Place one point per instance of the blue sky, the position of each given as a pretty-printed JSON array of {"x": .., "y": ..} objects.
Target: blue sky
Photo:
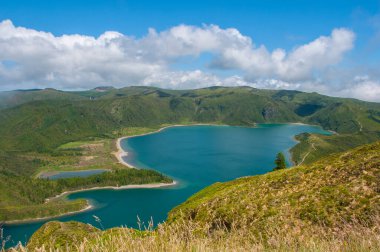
[
  {"x": 274, "y": 23},
  {"x": 287, "y": 25}
]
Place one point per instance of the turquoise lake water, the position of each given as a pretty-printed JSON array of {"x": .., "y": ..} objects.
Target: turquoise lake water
[{"x": 195, "y": 156}]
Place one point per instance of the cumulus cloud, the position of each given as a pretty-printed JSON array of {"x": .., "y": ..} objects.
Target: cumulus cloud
[
  {"x": 183, "y": 80},
  {"x": 69, "y": 60},
  {"x": 31, "y": 58},
  {"x": 296, "y": 65},
  {"x": 363, "y": 88}
]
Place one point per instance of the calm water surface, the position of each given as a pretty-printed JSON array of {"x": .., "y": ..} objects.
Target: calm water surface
[{"x": 196, "y": 156}]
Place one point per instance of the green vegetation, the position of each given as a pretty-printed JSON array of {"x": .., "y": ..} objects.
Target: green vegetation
[
  {"x": 280, "y": 162},
  {"x": 68, "y": 232},
  {"x": 331, "y": 192},
  {"x": 24, "y": 197},
  {"x": 80, "y": 155},
  {"x": 314, "y": 146},
  {"x": 330, "y": 205},
  {"x": 42, "y": 120},
  {"x": 134, "y": 131},
  {"x": 50, "y": 130}
]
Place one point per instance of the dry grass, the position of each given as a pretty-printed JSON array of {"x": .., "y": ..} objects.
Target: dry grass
[
  {"x": 330, "y": 205},
  {"x": 186, "y": 237}
]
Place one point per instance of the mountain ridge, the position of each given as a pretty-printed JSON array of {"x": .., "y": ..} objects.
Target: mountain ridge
[
  {"x": 33, "y": 132},
  {"x": 71, "y": 115}
]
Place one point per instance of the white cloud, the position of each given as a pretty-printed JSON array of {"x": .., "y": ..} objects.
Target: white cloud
[
  {"x": 69, "y": 61},
  {"x": 296, "y": 65},
  {"x": 30, "y": 58},
  {"x": 362, "y": 88},
  {"x": 183, "y": 80}
]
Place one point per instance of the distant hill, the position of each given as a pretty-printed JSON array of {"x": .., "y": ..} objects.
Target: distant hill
[
  {"x": 330, "y": 205},
  {"x": 41, "y": 120},
  {"x": 14, "y": 98}
]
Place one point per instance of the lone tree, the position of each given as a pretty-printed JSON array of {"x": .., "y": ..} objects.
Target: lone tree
[{"x": 280, "y": 162}]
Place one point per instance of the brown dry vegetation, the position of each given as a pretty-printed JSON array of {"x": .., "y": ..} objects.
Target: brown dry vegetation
[
  {"x": 330, "y": 205},
  {"x": 73, "y": 236}
]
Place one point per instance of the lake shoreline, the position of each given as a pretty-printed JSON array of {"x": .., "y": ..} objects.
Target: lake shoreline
[
  {"x": 246, "y": 139},
  {"x": 294, "y": 163},
  {"x": 124, "y": 187},
  {"x": 120, "y": 153},
  {"x": 89, "y": 205}
]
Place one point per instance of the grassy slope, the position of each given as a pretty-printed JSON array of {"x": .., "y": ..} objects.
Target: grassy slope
[
  {"x": 353, "y": 120},
  {"x": 329, "y": 192},
  {"x": 37, "y": 123},
  {"x": 330, "y": 205},
  {"x": 313, "y": 146}
]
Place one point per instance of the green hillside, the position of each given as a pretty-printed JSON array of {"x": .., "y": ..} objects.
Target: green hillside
[
  {"x": 78, "y": 115},
  {"x": 330, "y": 205},
  {"x": 331, "y": 192},
  {"x": 35, "y": 124},
  {"x": 13, "y": 98}
]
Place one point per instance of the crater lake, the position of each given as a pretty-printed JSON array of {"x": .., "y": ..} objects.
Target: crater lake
[{"x": 194, "y": 156}]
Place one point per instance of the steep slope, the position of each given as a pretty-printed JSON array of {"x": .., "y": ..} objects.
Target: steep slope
[
  {"x": 332, "y": 192},
  {"x": 330, "y": 205}
]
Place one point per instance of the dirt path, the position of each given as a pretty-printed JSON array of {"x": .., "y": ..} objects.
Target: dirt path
[
  {"x": 307, "y": 154},
  {"x": 361, "y": 126}
]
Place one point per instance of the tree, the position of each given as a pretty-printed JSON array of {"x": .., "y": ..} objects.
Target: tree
[{"x": 280, "y": 162}]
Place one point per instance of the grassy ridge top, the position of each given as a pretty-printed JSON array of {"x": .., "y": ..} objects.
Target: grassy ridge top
[{"x": 330, "y": 205}]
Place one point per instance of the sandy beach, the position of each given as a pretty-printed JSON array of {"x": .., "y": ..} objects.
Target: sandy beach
[{"x": 155, "y": 185}]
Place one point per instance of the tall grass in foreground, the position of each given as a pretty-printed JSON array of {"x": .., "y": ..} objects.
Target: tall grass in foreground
[{"x": 186, "y": 237}]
